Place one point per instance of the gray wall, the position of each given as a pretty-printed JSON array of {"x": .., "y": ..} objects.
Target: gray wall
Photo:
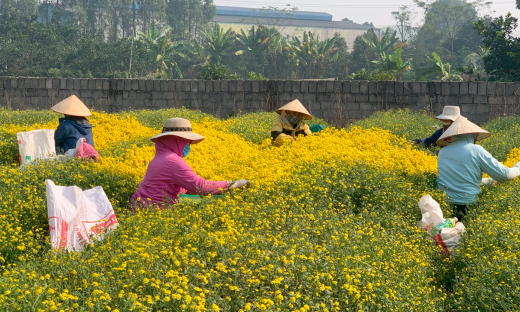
[{"x": 337, "y": 101}]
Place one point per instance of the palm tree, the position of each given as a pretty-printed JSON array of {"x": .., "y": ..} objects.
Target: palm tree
[
  {"x": 309, "y": 52},
  {"x": 217, "y": 43}
]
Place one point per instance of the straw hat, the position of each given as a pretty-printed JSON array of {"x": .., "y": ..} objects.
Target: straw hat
[
  {"x": 449, "y": 113},
  {"x": 179, "y": 127},
  {"x": 72, "y": 106},
  {"x": 295, "y": 106},
  {"x": 462, "y": 126}
]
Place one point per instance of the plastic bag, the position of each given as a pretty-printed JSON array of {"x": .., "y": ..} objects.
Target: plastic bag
[
  {"x": 77, "y": 217},
  {"x": 446, "y": 233},
  {"x": 431, "y": 213},
  {"x": 36, "y": 144},
  {"x": 316, "y": 128},
  {"x": 448, "y": 239}
]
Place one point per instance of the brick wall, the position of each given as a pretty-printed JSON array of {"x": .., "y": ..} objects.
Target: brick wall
[{"x": 336, "y": 101}]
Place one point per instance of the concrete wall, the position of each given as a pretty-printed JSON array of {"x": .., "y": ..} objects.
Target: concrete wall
[{"x": 336, "y": 101}]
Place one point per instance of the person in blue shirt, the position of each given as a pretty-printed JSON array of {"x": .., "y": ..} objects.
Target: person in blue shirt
[
  {"x": 461, "y": 163},
  {"x": 73, "y": 126},
  {"x": 448, "y": 116}
]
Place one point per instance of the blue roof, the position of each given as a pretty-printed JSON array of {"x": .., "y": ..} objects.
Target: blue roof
[{"x": 248, "y": 12}]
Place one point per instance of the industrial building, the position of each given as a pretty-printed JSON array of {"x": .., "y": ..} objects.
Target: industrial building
[{"x": 289, "y": 23}]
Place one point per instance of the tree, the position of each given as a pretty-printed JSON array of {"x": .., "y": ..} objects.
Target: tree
[
  {"x": 403, "y": 18},
  {"x": 188, "y": 17},
  {"x": 349, "y": 20},
  {"x": 217, "y": 43},
  {"x": 310, "y": 53},
  {"x": 18, "y": 7},
  {"x": 502, "y": 60},
  {"x": 448, "y": 18},
  {"x": 369, "y": 24}
]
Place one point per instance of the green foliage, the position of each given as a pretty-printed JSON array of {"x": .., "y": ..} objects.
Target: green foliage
[
  {"x": 255, "y": 76},
  {"x": 309, "y": 53},
  {"x": 217, "y": 42},
  {"x": 502, "y": 61},
  {"x": 155, "y": 118},
  {"x": 439, "y": 69},
  {"x": 503, "y": 136},
  {"x": 393, "y": 63},
  {"x": 216, "y": 71},
  {"x": 406, "y": 123}
]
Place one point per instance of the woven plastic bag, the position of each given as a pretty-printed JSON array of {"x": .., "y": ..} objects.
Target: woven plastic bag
[
  {"x": 77, "y": 217},
  {"x": 36, "y": 144},
  {"x": 445, "y": 233}
]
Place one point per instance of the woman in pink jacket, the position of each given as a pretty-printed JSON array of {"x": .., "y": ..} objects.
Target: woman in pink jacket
[{"x": 168, "y": 175}]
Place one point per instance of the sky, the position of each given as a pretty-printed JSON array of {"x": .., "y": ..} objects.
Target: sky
[{"x": 378, "y": 12}]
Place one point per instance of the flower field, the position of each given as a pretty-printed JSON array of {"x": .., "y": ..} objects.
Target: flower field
[{"x": 328, "y": 224}]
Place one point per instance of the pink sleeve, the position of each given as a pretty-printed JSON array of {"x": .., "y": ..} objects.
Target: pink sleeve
[{"x": 187, "y": 179}]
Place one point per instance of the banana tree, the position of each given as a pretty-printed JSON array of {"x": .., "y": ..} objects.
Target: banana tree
[
  {"x": 163, "y": 51},
  {"x": 386, "y": 45},
  {"x": 394, "y": 63},
  {"x": 251, "y": 42},
  {"x": 310, "y": 52},
  {"x": 439, "y": 69},
  {"x": 217, "y": 43}
]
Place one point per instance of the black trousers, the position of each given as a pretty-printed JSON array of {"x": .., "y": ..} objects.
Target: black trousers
[{"x": 460, "y": 211}]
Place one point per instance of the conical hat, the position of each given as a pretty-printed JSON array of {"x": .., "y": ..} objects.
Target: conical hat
[
  {"x": 462, "y": 126},
  {"x": 295, "y": 106},
  {"x": 72, "y": 106}
]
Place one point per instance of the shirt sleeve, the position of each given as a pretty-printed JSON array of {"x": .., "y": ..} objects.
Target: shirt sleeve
[
  {"x": 306, "y": 129},
  {"x": 494, "y": 168},
  {"x": 276, "y": 132},
  {"x": 433, "y": 138},
  {"x": 193, "y": 184}
]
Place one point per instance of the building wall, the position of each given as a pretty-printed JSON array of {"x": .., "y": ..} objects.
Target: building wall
[
  {"x": 324, "y": 33},
  {"x": 337, "y": 101}
]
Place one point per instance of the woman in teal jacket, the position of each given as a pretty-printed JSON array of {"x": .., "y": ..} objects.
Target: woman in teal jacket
[{"x": 461, "y": 164}]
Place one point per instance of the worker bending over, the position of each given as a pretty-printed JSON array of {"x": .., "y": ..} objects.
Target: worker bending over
[
  {"x": 73, "y": 126},
  {"x": 168, "y": 175},
  {"x": 461, "y": 163},
  {"x": 448, "y": 116},
  {"x": 290, "y": 124}
]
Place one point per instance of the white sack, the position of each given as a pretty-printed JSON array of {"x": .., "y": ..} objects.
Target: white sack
[
  {"x": 77, "y": 217},
  {"x": 36, "y": 144},
  {"x": 431, "y": 213}
]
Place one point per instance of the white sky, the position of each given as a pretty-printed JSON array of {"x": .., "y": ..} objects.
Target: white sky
[{"x": 376, "y": 11}]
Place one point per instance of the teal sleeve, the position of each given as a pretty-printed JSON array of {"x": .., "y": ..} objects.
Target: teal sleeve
[{"x": 492, "y": 167}]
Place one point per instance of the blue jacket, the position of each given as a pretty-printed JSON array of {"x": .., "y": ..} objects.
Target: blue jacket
[
  {"x": 70, "y": 130},
  {"x": 432, "y": 139},
  {"x": 460, "y": 166}
]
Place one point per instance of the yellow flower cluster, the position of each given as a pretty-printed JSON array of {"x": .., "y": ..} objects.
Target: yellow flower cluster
[{"x": 328, "y": 224}]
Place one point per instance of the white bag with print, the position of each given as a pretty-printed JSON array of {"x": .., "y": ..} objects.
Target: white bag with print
[{"x": 78, "y": 217}]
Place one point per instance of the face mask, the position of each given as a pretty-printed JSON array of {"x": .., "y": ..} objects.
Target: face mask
[
  {"x": 293, "y": 119},
  {"x": 446, "y": 123},
  {"x": 186, "y": 151}
]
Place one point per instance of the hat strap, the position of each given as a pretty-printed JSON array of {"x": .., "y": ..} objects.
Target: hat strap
[{"x": 175, "y": 129}]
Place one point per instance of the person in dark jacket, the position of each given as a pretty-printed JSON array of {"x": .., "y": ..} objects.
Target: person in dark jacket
[
  {"x": 73, "y": 126},
  {"x": 448, "y": 116}
]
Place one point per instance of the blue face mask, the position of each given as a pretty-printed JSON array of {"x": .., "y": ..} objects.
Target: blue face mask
[{"x": 186, "y": 151}]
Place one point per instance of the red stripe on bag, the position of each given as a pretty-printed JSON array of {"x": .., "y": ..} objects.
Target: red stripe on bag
[{"x": 437, "y": 240}]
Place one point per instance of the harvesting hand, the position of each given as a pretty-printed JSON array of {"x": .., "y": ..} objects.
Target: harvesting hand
[{"x": 239, "y": 184}]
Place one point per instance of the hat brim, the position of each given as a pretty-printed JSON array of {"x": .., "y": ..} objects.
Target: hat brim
[
  {"x": 73, "y": 114},
  {"x": 193, "y": 137},
  {"x": 447, "y": 141},
  {"x": 447, "y": 117},
  {"x": 305, "y": 116}
]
